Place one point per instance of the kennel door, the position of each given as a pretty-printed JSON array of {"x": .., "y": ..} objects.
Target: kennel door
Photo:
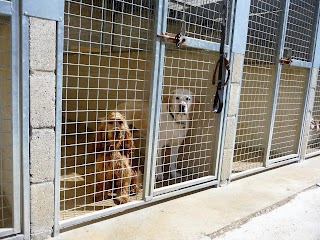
[
  {"x": 188, "y": 68},
  {"x": 292, "y": 79},
  {"x": 9, "y": 125}
]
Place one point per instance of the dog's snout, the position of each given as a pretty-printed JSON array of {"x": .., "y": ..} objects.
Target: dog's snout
[
  {"x": 117, "y": 133},
  {"x": 182, "y": 108}
]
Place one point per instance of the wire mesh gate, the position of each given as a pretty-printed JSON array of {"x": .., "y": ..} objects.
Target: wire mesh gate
[
  {"x": 9, "y": 121},
  {"x": 277, "y": 69},
  {"x": 122, "y": 81}
]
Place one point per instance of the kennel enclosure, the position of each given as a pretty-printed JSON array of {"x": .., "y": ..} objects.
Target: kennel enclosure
[
  {"x": 278, "y": 67},
  {"x": 66, "y": 64},
  {"x": 118, "y": 53}
]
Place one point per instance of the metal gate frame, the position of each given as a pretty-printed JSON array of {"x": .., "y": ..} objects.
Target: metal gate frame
[
  {"x": 12, "y": 9},
  {"x": 297, "y": 63},
  {"x": 150, "y": 194},
  {"x": 312, "y": 63},
  {"x": 155, "y": 103}
]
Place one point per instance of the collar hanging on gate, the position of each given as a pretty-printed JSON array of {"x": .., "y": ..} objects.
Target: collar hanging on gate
[{"x": 222, "y": 65}]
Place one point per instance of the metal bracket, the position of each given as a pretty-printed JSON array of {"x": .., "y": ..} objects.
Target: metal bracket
[
  {"x": 288, "y": 56},
  {"x": 178, "y": 39},
  {"x": 47, "y": 9},
  {"x": 5, "y": 7}
]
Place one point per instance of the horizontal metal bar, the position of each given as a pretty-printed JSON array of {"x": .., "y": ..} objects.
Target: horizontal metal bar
[
  {"x": 6, "y": 231},
  {"x": 99, "y": 214},
  {"x": 5, "y": 8},
  {"x": 183, "y": 185},
  {"x": 272, "y": 161},
  {"x": 247, "y": 172},
  {"x": 299, "y": 63},
  {"x": 203, "y": 44},
  {"x": 16, "y": 237},
  {"x": 260, "y": 169},
  {"x": 277, "y": 164},
  {"x": 310, "y": 155},
  {"x": 185, "y": 190},
  {"x": 117, "y": 209},
  {"x": 51, "y": 10}
]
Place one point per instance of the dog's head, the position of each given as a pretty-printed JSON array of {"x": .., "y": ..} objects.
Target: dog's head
[
  {"x": 180, "y": 103},
  {"x": 315, "y": 124},
  {"x": 115, "y": 126},
  {"x": 114, "y": 131}
]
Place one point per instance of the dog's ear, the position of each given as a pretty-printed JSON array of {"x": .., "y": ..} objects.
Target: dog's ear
[
  {"x": 167, "y": 101},
  {"x": 100, "y": 137},
  {"x": 128, "y": 143},
  {"x": 318, "y": 124}
]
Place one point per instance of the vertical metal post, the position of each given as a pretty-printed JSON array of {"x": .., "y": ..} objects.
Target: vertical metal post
[
  {"x": 239, "y": 12},
  {"x": 280, "y": 51},
  {"x": 315, "y": 60},
  {"x": 24, "y": 79},
  {"x": 155, "y": 99},
  {"x": 15, "y": 113},
  {"x": 59, "y": 70}
]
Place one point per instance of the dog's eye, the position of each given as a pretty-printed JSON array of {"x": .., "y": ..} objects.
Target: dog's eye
[
  {"x": 188, "y": 98},
  {"x": 178, "y": 98},
  {"x": 120, "y": 122}
]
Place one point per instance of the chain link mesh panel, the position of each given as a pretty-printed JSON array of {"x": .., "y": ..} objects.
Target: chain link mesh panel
[
  {"x": 257, "y": 83},
  {"x": 107, "y": 62},
  {"x": 6, "y": 170}
]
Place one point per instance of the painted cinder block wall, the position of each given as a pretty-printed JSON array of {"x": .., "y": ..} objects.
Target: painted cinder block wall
[{"x": 42, "y": 45}]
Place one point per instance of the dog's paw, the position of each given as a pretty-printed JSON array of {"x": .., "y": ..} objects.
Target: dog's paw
[
  {"x": 159, "y": 177},
  {"x": 175, "y": 174},
  {"x": 98, "y": 197},
  {"x": 135, "y": 189},
  {"x": 121, "y": 200},
  {"x": 102, "y": 196}
]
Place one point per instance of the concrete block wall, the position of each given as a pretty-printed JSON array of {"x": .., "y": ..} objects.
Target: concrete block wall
[
  {"x": 42, "y": 126},
  {"x": 231, "y": 120}
]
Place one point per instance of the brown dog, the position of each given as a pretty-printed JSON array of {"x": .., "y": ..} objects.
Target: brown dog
[{"x": 114, "y": 145}]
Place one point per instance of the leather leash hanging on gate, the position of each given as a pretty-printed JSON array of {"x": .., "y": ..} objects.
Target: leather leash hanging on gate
[{"x": 223, "y": 65}]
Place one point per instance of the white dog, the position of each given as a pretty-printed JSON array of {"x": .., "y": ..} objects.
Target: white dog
[
  {"x": 174, "y": 124},
  {"x": 314, "y": 133}
]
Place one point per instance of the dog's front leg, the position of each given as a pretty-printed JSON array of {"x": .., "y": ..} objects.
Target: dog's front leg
[{"x": 173, "y": 162}]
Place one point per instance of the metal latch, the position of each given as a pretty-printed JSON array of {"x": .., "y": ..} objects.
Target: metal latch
[
  {"x": 288, "y": 56},
  {"x": 178, "y": 39}
]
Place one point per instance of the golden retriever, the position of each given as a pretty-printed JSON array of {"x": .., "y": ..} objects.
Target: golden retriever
[{"x": 173, "y": 128}]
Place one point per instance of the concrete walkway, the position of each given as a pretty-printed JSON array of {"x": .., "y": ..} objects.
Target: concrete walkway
[
  {"x": 296, "y": 220},
  {"x": 206, "y": 214}
]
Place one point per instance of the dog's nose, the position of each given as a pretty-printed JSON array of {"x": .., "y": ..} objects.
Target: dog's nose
[{"x": 182, "y": 108}]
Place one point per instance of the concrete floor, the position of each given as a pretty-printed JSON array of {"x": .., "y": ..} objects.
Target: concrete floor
[
  {"x": 210, "y": 213},
  {"x": 298, "y": 219}
]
